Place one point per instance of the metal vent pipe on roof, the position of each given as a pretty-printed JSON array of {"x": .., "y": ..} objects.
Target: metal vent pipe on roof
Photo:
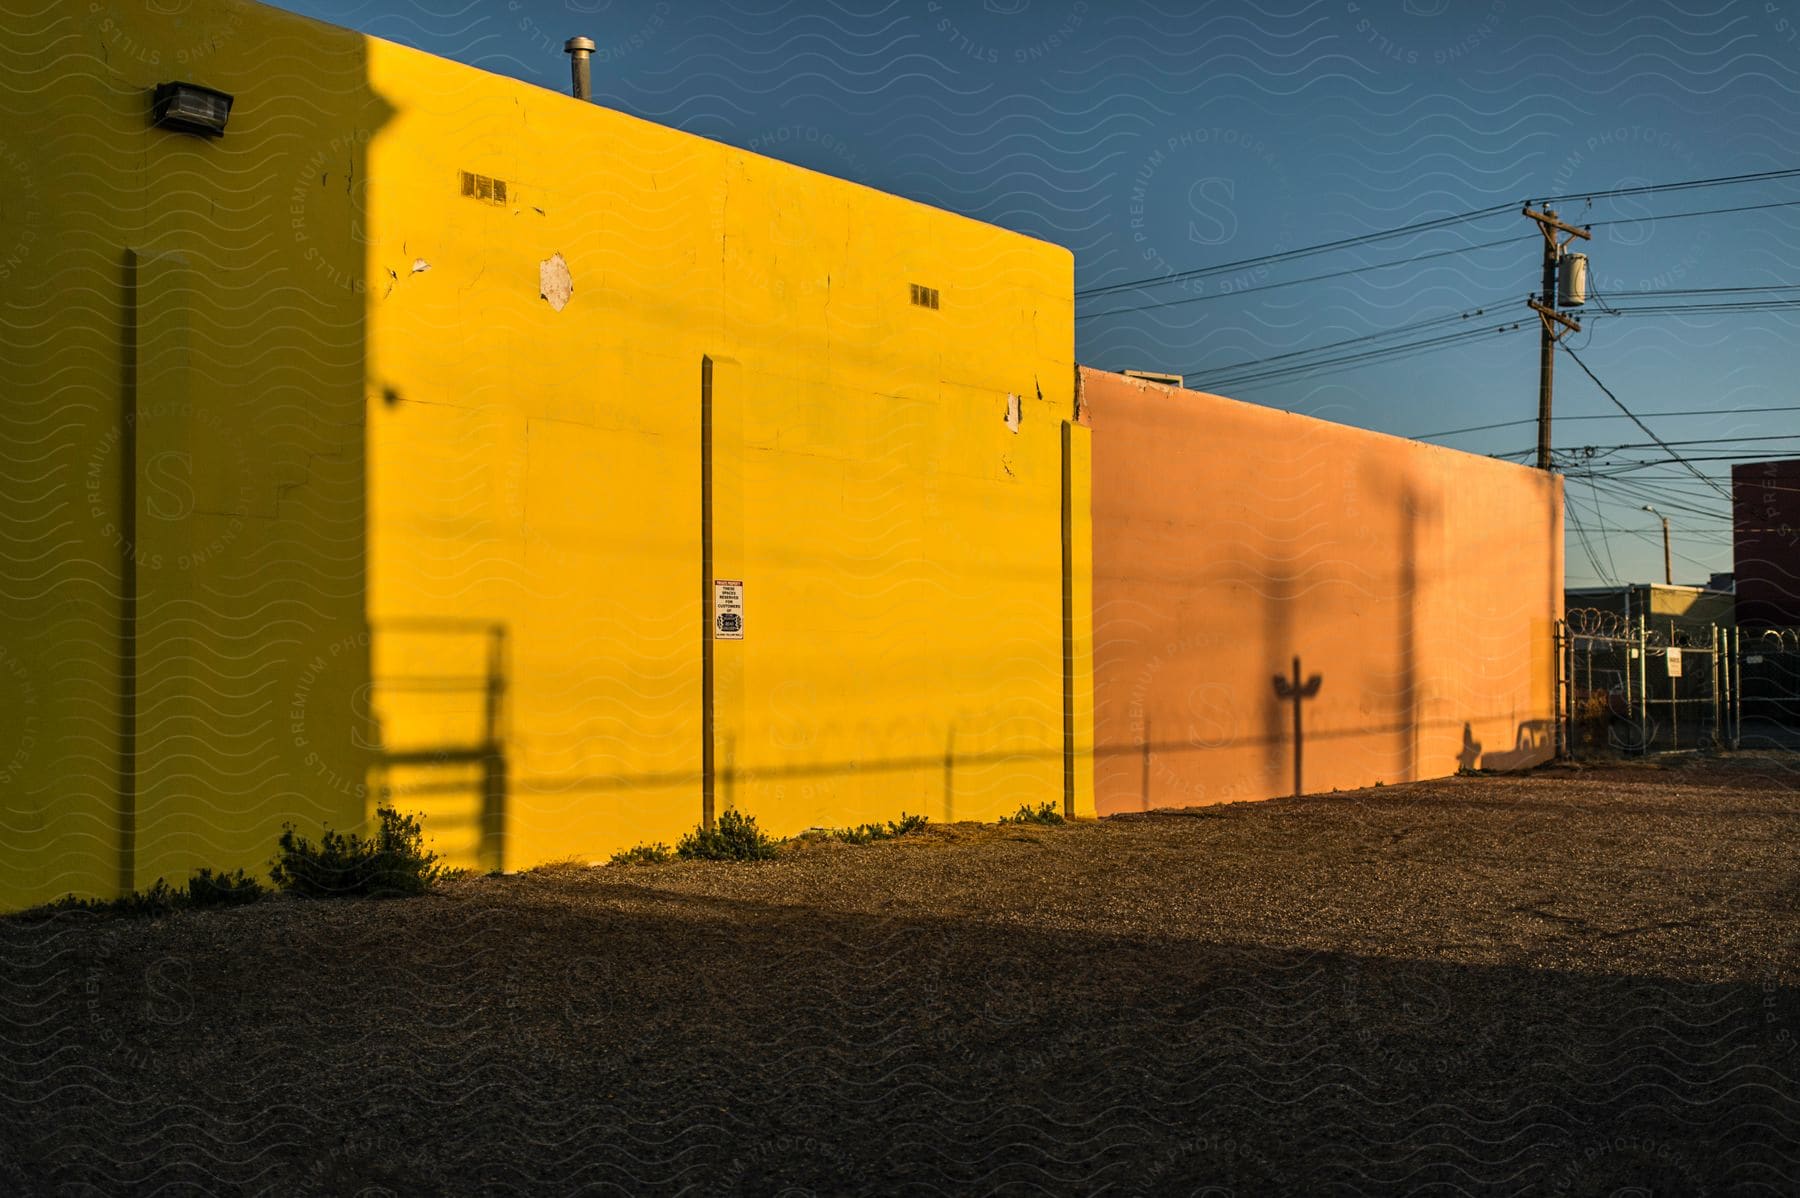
[{"x": 580, "y": 50}]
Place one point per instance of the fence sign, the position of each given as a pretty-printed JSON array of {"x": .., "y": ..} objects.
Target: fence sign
[
  {"x": 1674, "y": 663},
  {"x": 1753, "y": 659},
  {"x": 728, "y": 610}
]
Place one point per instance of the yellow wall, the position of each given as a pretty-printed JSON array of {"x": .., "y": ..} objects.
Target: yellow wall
[
  {"x": 376, "y": 471},
  {"x": 182, "y": 422}
]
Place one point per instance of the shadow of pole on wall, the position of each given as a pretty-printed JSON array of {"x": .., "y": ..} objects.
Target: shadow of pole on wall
[{"x": 1296, "y": 692}]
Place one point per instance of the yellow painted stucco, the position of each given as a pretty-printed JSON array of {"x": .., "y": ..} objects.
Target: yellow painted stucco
[{"x": 400, "y": 525}]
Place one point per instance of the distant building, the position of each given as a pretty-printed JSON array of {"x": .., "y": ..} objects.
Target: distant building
[
  {"x": 1766, "y": 523},
  {"x": 1663, "y": 607}
]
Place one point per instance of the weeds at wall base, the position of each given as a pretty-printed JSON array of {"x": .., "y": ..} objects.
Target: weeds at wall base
[
  {"x": 1045, "y": 813},
  {"x": 643, "y": 854},
  {"x": 204, "y": 889}
]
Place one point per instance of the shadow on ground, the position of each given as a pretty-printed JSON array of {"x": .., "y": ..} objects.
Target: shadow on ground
[{"x": 608, "y": 1032}]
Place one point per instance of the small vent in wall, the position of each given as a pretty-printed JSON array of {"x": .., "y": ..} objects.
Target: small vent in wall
[
  {"x": 481, "y": 187},
  {"x": 925, "y": 297}
]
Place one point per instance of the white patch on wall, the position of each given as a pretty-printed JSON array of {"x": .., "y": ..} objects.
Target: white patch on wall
[
  {"x": 1014, "y": 413},
  {"x": 420, "y": 266},
  {"x": 554, "y": 282}
]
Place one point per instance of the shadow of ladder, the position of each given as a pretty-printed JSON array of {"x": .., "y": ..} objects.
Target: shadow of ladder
[{"x": 484, "y": 753}]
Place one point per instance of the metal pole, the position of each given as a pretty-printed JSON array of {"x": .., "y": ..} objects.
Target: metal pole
[
  {"x": 1717, "y": 731},
  {"x": 1737, "y": 678},
  {"x": 708, "y": 712},
  {"x": 1565, "y": 692},
  {"x": 1643, "y": 660},
  {"x": 1626, "y": 670},
  {"x": 1674, "y": 703}
]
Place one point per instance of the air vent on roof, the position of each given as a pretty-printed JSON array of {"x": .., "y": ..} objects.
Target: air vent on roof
[
  {"x": 925, "y": 297},
  {"x": 481, "y": 187}
]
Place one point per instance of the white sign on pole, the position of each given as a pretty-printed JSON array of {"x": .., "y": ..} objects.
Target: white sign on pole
[
  {"x": 728, "y": 609},
  {"x": 1674, "y": 663}
]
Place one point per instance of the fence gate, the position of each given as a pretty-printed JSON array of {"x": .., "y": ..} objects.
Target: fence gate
[
  {"x": 1644, "y": 686},
  {"x": 1770, "y": 687}
]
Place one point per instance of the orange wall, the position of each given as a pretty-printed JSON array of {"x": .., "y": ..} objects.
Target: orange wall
[{"x": 1419, "y": 583}]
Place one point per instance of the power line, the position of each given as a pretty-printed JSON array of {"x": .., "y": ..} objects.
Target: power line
[
  {"x": 1336, "y": 274},
  {"x": 1713, "y": 290},
  {"x": 1363, "y": 358},
  {"x": 1436, "y": 254},
  {"x": 1341, "y": 243},
  {"x": 1423, "y": 226},
  {"x": 1605, "y": 541},
  {"x": 1688, "y": 185},
  {"x": 1638, "y": 220},
  {"x": 1606, "y": 391},
  {"x": 1587, "y": 548},
  {"x": 1702, "y": 307},
  {"x": 1686, "y": 441},
  {"x": 1482, "y": 428},
  {"x": 1396, "y": 331}
]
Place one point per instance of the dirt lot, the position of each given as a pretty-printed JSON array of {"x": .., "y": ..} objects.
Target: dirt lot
[{"x": 1575, "y": 982}]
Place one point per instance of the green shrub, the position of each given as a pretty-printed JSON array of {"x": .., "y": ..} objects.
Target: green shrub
[
  {"x": 204, "y": 889},
  {"x": 392, "y": 863},
  {"x": 644, "y": 854},
  {"x": 1044, "y": 814},
  {"x": 909, "y": 824},
  {"x": 733, "y": 837},
  {"x": 159, "y": 898},
  {"x": 906, "y": 825},
  {"x": 207, "y": 889}
]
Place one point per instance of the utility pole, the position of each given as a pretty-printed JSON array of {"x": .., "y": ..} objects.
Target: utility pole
[
  {"x": 1557, "y": 237},
  {"x": 1668, "y": 568}
]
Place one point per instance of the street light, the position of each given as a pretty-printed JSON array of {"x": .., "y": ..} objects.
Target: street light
[{"x": 1668, "y": 573}]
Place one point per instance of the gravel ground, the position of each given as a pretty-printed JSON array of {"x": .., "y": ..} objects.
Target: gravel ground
[{"x": 1572, "y": 982}]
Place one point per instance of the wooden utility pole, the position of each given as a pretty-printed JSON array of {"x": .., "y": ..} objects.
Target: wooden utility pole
[{"x": 1557, "y": 237}]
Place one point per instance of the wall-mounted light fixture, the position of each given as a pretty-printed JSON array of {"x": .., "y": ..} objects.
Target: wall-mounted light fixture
[{"x": 190, "y": 108}]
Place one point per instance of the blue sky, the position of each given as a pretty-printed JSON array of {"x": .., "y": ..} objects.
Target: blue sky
[{"x": 1154, "y": 137}]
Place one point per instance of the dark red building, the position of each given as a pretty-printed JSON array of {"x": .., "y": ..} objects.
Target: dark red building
[{"x": 1766, "y": 521}]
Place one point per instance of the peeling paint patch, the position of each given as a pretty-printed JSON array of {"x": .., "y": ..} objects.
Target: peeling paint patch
[
  {"x": 420, "y": 266},
  {"x": 1015, "y": 414},
  {"x": 554, "y": 282}
]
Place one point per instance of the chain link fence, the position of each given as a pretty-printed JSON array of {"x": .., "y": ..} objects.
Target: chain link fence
[{"x": 1635, "y": 685}]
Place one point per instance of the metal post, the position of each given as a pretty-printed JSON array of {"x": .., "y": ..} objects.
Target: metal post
[
  {"x": 1724, "y": 663},
  {"x": 1713, "y": 677},
  {"x": 1643, "y": 660},
  {"x": 1737, "y": 678},
  {"x": 1565, "y": 692},
  {"x": 708, "y": 714},
  {"x": 1674, "y": 701},
  {"x": 1626, "y": 664}
]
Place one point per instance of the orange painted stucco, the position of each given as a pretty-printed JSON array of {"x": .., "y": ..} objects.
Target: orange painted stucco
[{"x": 1419, "y": 584}]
